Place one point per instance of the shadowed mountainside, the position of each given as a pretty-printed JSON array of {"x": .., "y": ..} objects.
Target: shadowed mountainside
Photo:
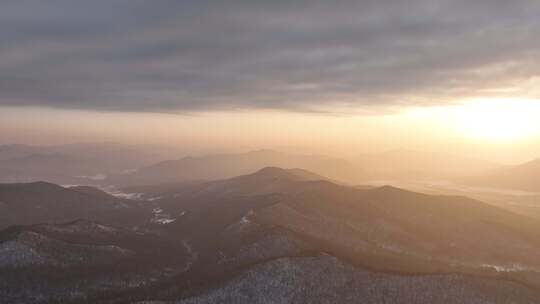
[
  {"x": 277, "y": 234},
  {"x": 67, "y": 262},
  {"x": 41, "y": 202},
  {"x": 383, "y": 229}
]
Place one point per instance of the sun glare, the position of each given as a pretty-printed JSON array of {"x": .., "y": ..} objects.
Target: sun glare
[
  {"x": 498, "y": 120},
  {"x": 488, "y": 119}
]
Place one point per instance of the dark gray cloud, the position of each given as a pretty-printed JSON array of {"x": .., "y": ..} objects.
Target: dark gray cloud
[{"x": 164, "y": 55}]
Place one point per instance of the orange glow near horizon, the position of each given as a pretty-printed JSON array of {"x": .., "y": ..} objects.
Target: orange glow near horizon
[
  {"x": 491, "y": 120},
  {"x": 495, "y": 129},
  {"x": 500, "y": 120}
]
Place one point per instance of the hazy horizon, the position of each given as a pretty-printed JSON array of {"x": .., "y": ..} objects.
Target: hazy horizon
[
  {"x": 307, "y": 76},
  {"x": 240, "y": 152},
  {"x": 228, "y": 132}
]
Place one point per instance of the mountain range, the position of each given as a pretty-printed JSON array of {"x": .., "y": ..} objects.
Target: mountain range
[
  {"x": 525, "y": 177},
  {"x": 42, "y": 202},
  {"x": 404, "y": 164},
  {"x": 278, "y": 235},
  {"x": 74, "y": 163},
  {"x": 222, "y": 166},
  {"x": 121, "y": 165}
]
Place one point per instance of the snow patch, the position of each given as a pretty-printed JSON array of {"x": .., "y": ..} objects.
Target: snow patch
[
  {"x": 96, "y": 177},
  {"x": 162, "y": 218},
  {"x": 509, "y": 268},
  {"x": 117, "y": 193},
  {"x": 14, "y": 253}
]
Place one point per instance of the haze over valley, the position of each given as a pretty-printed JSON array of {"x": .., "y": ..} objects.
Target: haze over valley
[
  {"x": 262, "y": 225},
  {"x": 167, "y": 152}
]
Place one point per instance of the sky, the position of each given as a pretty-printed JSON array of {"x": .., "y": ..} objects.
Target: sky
[{"x": 338, "y": 77}]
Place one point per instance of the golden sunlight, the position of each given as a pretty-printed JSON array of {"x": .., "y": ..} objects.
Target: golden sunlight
[{"x": 500, "y": 120}]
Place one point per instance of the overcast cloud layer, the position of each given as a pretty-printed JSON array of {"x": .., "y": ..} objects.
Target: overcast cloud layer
[{"x": 161, "y": 55}]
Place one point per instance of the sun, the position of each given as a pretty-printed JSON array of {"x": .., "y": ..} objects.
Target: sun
[
  {"x": 497, "y": 120},
  {"x": 493, "y": 120}
]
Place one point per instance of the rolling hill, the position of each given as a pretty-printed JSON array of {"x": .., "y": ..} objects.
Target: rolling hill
[
  {"x": 272, "y": 213},
  {"x": 74, "y": 163},
  {"x": 69, "y": 262},
  {"x": 280, "y": 233},
  {"x": 222, "y": 166},
  {"x": 42, "y": 202}
]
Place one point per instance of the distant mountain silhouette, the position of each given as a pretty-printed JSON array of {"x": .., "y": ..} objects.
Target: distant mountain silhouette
[
  {"x": 53, "y": 167},
  {"x": 524, "y": 177},
  {"x": 215, "y": 167},
  {"x": 73, "y": 163},
  {"x": 404, "y": 164},
  {"x": 16, "y": 150}
]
